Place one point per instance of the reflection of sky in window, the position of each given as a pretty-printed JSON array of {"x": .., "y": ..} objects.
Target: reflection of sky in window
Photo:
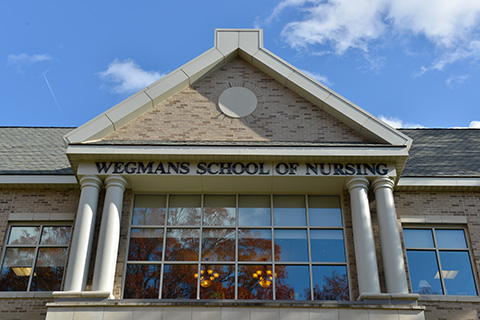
[
  {"x": 457, "y": 273},
  {"x": 149, "y": 210},
  {"x": 418, "y": 238},
  {"x": 450, "y": 239},
  {"x": 254, "y": 211},
  {"x": 219, "y": 210},
  {"x": 291, "y": 245},
  {"x": 423, "y": 268},
  {"x": 327, "y": 245},
  {"x": 292, "y": 277},
  {"x": 321, "y": 217},
  {"x": 254, "y": 216},
  {"x": 289, "y": 211},
  {"x": 24, "y": 235},
  {"x": 184, "y": 210}
]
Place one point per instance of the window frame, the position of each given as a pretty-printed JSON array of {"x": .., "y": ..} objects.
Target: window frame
[
  {"x": 236, "y": 263},
  {"x": 437, "y": 226},
  {"x": 37, "y": 246}
]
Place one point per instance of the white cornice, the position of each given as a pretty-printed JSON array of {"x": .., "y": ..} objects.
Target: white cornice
[{"x": 438, "y": 183}]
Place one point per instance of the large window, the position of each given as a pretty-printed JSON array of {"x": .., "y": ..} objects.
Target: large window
[
  {"x": 439, "y": 261},
  {"x": 282, "y": 247},
  {"x": 34, "y": 258}
]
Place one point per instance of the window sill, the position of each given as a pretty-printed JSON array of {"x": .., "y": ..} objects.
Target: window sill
[
  {"x": 24, "y": 294},
  {"x": 447, "y": 298}
]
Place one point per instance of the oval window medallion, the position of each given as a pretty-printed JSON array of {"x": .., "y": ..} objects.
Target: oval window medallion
[{"x": 237, "y": 102}]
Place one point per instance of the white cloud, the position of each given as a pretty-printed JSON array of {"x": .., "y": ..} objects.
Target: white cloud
[
  {"x": 452, "y": 26},
  {"x": 127, "y": 76},
  {"x": 456, "y": 81},
  {"x": 475, "y": 125},
  {"x": 398, "y": 123},
  {"x": 317, "y": 76},
  {"x": 22, "y": 60}
]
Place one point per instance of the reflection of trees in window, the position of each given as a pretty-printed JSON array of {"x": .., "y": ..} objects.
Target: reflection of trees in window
[
  {"x": 232, "y": 251},
  {"x": 335, "y": 287},
  {"x": 179, "y": 282},
  {"x": 23, "y": 264}
]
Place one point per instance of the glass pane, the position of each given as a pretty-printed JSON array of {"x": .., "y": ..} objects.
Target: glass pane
[
  {"x": 255, "y": 282},
  {"x": 56, "y": 235},
  {"x": 254, "y": 245},
  {"x": 324, "y": 211},
  {"x": 184, "y": 210},
  {"x": 182, "y": 245},
  {"x": 145, "y": 245},
  {"x": 289, "y": 211},
  {"x": 292, "y": 283},
  {"x": 254, "y": 211},
  {"x": 457, "y": 273},
  {"x": 218, "y": 245},
  {"x": 24, "y": 235},
  {"x": 450, "y": 238},
  {"x": 327, "y": 245},
  {"x": 217, "y": 282},
  {"x": 16, "y": 269},
  {"x": 423, "y": 269},
  {"x": 330, "y": 283},
  {"x": 418, "y": 238},
  {"x": 49, "y": 269},
  {"x": 149, "y": 210},
  {"x": 219, "y": 211},
  {"x": 179, "y": 282},
  {"x": 291, "y": 245},
  {"x": 142, "y": 281}
]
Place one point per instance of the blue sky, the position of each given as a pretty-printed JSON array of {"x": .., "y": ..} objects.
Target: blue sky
[{"x": 414, "y": 63}]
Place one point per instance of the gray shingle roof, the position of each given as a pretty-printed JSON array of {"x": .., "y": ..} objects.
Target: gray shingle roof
[
  {"x": 435, "y": 152},
  {"x": 443, "y": 152},
  {"x": 29, "y": 150}
]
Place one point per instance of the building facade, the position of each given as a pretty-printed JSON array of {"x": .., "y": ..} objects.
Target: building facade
[{"x": 237, "y": 187}]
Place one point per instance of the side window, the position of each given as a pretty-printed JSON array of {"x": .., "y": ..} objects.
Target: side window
[
  {"x": 34, "y": 257},
  {"x": 439, "y": 261}
]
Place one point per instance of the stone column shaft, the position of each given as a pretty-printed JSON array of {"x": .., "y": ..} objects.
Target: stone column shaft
[
  {"x": 365, "y": 256},
  {"x": 81, "y": 247},
  {"x": 109, "y": 236},
  {"x": 392, "y": 253}
]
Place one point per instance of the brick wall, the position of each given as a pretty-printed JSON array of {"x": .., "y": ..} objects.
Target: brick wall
[
  {"x": 192, "y": 114},
  {"x": 23, "y": 308}
]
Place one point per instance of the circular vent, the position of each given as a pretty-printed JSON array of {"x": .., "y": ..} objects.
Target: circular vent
[{"x": 237, "y": 102}]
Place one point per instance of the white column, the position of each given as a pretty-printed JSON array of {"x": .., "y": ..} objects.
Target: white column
[
  {"x": 392, "y": 253},
  {"x": 80, "y": 250},
  {"x": 106, "y": 259},
  {"x": 365, "y": 256}
]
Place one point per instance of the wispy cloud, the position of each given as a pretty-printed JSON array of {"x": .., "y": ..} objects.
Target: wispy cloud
[
  {"x": 398, "y": 123},
  {"x": 453, "y": 27},
  {"x": 317, "y": 76},
  {"x": 19, "y": 61},
  {"x": 456, "y": 81},
  {"x": 127, "y": 76}
]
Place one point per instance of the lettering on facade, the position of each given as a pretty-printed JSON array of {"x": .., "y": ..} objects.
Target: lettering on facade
[{"x": 244, "y": 168}]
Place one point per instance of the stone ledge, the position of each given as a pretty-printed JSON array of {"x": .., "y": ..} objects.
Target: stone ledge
[
  {"x": 156, "y": 303},
  {"x": 447, "y": 298}
]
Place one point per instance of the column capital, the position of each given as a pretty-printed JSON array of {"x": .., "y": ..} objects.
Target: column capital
[
  {"x": 116, "y": 181},
  {"x": 90, "y": 181},
  {"x": 357, "y": 182},
  {"x": 383, "y": 182}
]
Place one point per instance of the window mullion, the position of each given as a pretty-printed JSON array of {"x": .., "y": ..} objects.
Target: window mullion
[{"x": 439, "y": 263}]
